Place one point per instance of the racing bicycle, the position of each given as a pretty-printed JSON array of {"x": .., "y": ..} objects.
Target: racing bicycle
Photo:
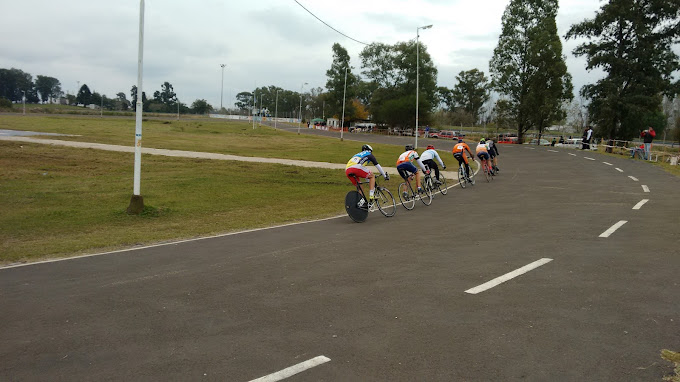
[
  {"x": 429, "y": 181},
  {"x": 358, "y": 205},
  {"x": 408, "y": 195}
]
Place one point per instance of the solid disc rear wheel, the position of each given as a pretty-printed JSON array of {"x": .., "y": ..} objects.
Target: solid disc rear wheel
[{"x": 356, "y": 206}]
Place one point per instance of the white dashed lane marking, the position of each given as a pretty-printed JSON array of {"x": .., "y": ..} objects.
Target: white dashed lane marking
[
  {"x": 572, "y": 154},
  {"x": 632, "y": 177},
  {"x": 645, "y": 188},
  {"x": 613, "y": 228},
  {"x": 618, "y": 169},
  {"x": 295, "y": 369},
  {"x": 607, "y": 163},
  {"x": 640, "y": 204},
  {"x": 508, "y": 276},
  {"x": 553, "y": 151}
]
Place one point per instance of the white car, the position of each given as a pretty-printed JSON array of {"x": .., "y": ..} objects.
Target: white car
[{"x": 535, "y": 141}]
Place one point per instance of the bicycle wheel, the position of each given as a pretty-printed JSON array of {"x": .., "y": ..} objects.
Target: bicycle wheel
[
  {"x": 461, "y": 176},
  {"x": 426, "y": 196},
  {"x": 442, "y": 187},
  {"x": 405, "y": 196},
  {"x": 486, "y": 173},
  {"x": 385, "y": 201},
  {"x": 428, "y": 183},
  {"x": 356, "y": 206}
]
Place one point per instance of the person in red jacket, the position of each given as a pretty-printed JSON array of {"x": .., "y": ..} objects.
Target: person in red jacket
[{"x": 647, "y": 137}]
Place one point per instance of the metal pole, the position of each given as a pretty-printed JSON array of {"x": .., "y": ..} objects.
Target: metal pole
[
  {"x": 222, "y": 91},
  {"x": 252, "y": 110},
  {"x": 178, "y": 109},
  {"x": 276, "y": 110},
  {"x": 260, "y": 112},
  {"x": 101, "y": 108},
  {"x": 23, "y": 100},
  {"x": 140, "y": 93},
  {"x": 344, "y": 92},
  {"x": 417, "y": 81}
]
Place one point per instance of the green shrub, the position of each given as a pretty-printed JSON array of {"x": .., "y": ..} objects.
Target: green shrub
[{"x": 5, "y": 103}]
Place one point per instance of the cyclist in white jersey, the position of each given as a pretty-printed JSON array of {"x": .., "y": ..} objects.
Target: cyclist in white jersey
[{"x": 428, "y": 156}]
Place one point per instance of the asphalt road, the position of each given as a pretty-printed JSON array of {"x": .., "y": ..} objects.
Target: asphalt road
[{"x": 384, "y": 300}]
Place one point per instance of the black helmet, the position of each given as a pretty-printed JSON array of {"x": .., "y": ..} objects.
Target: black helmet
[
  {"x": 366, "y": 148},
  {"x": 408, "y": 147}
]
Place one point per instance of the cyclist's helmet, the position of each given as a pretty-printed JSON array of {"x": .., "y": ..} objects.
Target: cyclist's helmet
[
  {"x": 430, "y": 147},
  {"x": 367, "y": 148},
  {"x": 408, "y": 147},
  {"x": 460, "y": 139},
  {"x": 482, "y": 140}
]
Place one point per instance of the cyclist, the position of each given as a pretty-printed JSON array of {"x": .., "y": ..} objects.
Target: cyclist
[
  {"x": 428, "y": 156},
  {"x": 492, "y": 147},
  {"x": 458, "y": 151},
  {"x": 355, "y": 166},
  {"x": 405, "y": 165},
  {"x": 483, "y": 154}
]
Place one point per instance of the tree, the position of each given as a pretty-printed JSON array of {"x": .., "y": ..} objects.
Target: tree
[
  {"x": 13, "y": 84},
  {"x": 631, "y": 40},
  {"x": 391, "y": 70},
  {"x": 201, "y": 106},
  {"x": 121, "y": 102},
  {"x": 244, "y": 100},
  {"x": 528, "y": 68},
  {"x": 84, "y": 95},
  {"x": 471, "y": 92},
  {"x": 48, "y": 87},
  {"x": 336, "y": 83}
]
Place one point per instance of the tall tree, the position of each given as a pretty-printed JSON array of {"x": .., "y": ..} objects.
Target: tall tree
[
  {"x": 201, "y": 106},
  {"x": 471, "y": 91},
  {"x": 84, "y": 95},
  {"x": 336, "y": 83},
  {"x": 392, "y": 69},
  {"x": 631, "y": 40},
  {"x": 133, "y": 95},
  {"x": 13, "y": 84},
  {"x": 528, "y": 68},
  {"x": 48, "y": 87}
]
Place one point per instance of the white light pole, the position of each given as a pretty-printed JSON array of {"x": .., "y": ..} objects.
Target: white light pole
[
  {"x": 418, "y": 75},
  {"x": 177, "y": 108},
  {"x": 259, "y": 120},
  {"x": 252, "y": 109},
  {"x": 222, "y": 91},
  {"x": 101, "y": 108},
  {"x": 344, "y": 92},
  {"x": 23, "y": 100},
  {"x": 276, "y": 109},
  {"x": 137, "y": 202},
  {"x": 300, "y": 111}
]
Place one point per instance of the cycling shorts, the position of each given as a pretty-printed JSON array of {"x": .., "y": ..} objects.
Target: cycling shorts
[
  {"x": 483, "y": 155},
  {"x": 359, "y": 171},
  {"x": 492, "y": 153},
  {"x": 405, "y": 168},
  {"x": 462, "y": 158}
]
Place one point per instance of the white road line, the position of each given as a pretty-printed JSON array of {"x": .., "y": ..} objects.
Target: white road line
[
  {"x": 613, "y": 228},
  {"x": 589, "y": 158},
  {"x": 640, "y": 204},
  {"x": 645, "y": 188},
  {"x": 634, "y": 178},
  {"x": 295, "y": 369},
  {"x": 607, "y": 163},
  {"x": 553, "y": 151},
  {"x": 572, "y": 154},
  {"x": 618, "y": 169},
  {"x": 508, "y": 276}
]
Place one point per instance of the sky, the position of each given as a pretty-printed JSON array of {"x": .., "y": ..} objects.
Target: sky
[{"x": 261, "y": 42}]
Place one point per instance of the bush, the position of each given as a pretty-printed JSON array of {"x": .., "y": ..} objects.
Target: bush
[{"x": 5, "y": 103}]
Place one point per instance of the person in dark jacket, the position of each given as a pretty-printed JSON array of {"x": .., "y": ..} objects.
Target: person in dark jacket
[
  {"x": 587, "y": 136},
  {"x": 647, "y": 137}
]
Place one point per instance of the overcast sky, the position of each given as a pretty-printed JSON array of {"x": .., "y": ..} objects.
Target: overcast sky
[{"x": 262, "y": 42}]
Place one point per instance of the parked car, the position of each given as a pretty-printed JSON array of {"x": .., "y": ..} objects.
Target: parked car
[
  {"x": 446, "y": 134},
  {"x": 542, "y": 142}
]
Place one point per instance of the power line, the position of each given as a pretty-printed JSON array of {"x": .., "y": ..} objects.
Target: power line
[{"x": 325, "y": 23}]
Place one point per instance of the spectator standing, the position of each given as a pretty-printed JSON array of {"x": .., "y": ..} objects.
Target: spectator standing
[
  {"x": 587, "y": 136},
  {"x": 427, "y": 131},
  {"x": 647, "y": 137}
]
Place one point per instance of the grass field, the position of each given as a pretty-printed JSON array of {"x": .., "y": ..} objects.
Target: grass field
[
  {"x": 216, "y": 136},
  {"x": 62, "y": 201}
]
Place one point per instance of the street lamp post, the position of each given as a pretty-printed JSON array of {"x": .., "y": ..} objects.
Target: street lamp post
[
  {"x": 344, "y": 92},
  {"x": 137, "y": 202},
  {"x": 222, "y": 91},
  {"x": 23, "y": 100},
  {"x": 418, "y": 75},
  {"x": 300, "y": 111},
  {"x": 259, "y": 120},
  {"x": 276, "y": 109}
]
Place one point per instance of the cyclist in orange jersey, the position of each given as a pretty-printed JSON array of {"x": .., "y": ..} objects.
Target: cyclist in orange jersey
[
  {"x": 483, "y": 154},
  {"x": 459, "y": 150}
]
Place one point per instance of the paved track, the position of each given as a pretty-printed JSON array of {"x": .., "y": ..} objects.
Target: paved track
[{"x": 385, "y": 300}]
